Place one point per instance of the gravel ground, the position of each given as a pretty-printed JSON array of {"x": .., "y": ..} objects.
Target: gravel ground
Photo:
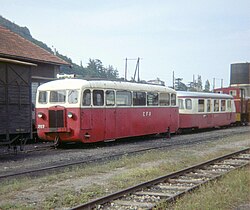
[{"x": 233, "y": 138}]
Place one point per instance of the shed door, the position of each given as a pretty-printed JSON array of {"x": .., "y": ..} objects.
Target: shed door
[{"x": 15, "y": 84}]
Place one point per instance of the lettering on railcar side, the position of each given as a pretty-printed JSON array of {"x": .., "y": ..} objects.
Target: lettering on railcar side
[{"x": 146, "y": 114}]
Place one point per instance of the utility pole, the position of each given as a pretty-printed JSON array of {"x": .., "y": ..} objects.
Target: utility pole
[
  {"x": 126, "y": 68},
  {"x": 214, "y": 80},
  {"x": 137, "y": 70},
  {"x": 126, "y": 65},
  {"x": 173, "y": 80}
]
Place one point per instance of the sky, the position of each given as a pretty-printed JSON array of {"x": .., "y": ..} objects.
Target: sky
[{"x": 189, "y": 38}]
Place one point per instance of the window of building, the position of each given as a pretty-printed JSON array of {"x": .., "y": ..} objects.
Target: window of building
[
  {"x": 223, "y": 105},
  {"x": 86, "y": 98},
  {"x": 42, "y": 97},
  {"x": 173, "y": 99},
  {"x": 152, "y": 99},
  {"x": 73, "y": 96},
  {"x": 216, "y": 105},
  {"x": 57, "y": 96},
  {"x": 98, "y": 97},
  {"x": 110, "y": 98},
  {"x": 139, "y": 98},
  {"x": 233, "y": 92},
  {"x": 181, "y": 103},
  {"x": 201, "y": 105},
  {"x": 188, "y": 103},
  {"x": 123, "y": 98}
]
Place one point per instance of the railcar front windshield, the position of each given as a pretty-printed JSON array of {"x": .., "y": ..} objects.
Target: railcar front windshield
[{"x": 58, "y": 96}]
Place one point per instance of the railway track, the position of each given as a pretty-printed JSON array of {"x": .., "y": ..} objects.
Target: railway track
[
  {"x": 167, "y": 188},
  {"x": 61, "y": 166}
]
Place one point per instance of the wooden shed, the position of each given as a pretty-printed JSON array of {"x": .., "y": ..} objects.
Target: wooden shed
[{"x": 23, "y": 66}]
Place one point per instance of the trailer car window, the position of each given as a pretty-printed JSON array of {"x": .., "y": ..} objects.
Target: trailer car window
[
  {"x": 181, "y": 103},
  {"x": 223, "y": 105},
  {"x": 201, "y": 104},
  {"x": 123, "y": 98},
  {"x": 173, "y": 99},
  {"x": 164, "y": 99},
  {"x": 86, "y": 98},
  {"x": 110, "y": 98},
  {"x": 229, "y": 105},
  {"x": 73, "y": 96},
  {"x": 152, "y": 99},
  {"x": 208, "y": 105},
  {"x": 42, "y": 97},
  {"x": 139, "y": 98},
  {"x": 57, "y": 96},
  {"x": 188, "y": 103},
  {"x": 216, "y": 105}
]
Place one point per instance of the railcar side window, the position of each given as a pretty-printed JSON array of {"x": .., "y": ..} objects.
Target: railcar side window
[
  {"x": 173, "y": 99},
  {"x": 208, "y": 105},
  {"x": 188, "y": 103},
  {"x": 164, "y": 99},
  {"x": 110, "y": 98},
  {"x": 181, "y": 103},
  {"x": 216, "y": 105},
  {"x": 57, "y": 96},
  {"x": 152, "y": 99},
  {"x": 86, "y": 98},
  {"x": 98, "y": 98},
  {"x": 201, "y": 107},
  {"x": 223, "y": 105},
  {"x": 42, "y": 97},
  {"x": 73, "y": 96},
  {"x": 139, "y": 98},
  {"x": 123, "y": 98}
]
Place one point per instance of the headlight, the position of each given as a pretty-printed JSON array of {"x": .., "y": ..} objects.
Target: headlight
[
  {"x": 70, "y": 114},
  {"x": 40, "y": 115}
]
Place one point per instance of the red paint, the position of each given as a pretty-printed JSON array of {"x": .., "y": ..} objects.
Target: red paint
[
  {"x": 100, "y": 124},
  {"x": 206, "y": 120}
]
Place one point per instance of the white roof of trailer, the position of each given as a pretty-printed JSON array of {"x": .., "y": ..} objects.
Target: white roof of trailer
[
  {"x": 63, "y": 84},
  {"x": 187, "y": 94}
]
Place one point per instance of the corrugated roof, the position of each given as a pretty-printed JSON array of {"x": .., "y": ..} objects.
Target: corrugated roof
[{"x": 14, "y": 46}]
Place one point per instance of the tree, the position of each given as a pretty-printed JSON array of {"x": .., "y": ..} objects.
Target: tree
[
  {"x": 180, "y": 85},
  {"x": 95, "y": 69},
  {"x": 199, "y": 83},
  {"x": 207, "y": 86},
  {"x": 111, "y": 73}
]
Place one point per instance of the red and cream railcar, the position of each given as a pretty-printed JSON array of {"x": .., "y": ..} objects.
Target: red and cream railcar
[
  {"x": 242, "y": 103},
  {"x": 92, "y": 111},
  {"x": 205, "y": 110}
]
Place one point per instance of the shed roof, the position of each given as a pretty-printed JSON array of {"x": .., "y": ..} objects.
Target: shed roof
[{"x": 14, "y": 46}]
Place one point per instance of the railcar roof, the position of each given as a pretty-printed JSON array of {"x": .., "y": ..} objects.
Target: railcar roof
[
  {"x": 202, "y": 95},
  {"x": 118, "y": 85}
]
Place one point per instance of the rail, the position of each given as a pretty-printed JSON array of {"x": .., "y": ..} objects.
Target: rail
[{"x": 169, "y": 187}]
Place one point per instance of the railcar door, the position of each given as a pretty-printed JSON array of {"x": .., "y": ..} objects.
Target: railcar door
[
  {"x": 110, "y": 115},
  {"x": 86, "y": 110}
]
